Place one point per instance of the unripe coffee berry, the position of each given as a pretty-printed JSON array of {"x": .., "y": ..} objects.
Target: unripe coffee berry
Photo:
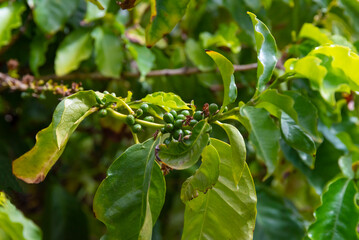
[
  {"x": 130, "y": 120},
  {"x": 213, "y": 108},
  {"x": 168, "y": 118},
  {"x": 198, "y": 116},
  {"x": 136, "y": 128}
]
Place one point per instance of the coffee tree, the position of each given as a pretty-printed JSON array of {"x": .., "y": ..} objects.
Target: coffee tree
[{"x": 268, "y": 149}]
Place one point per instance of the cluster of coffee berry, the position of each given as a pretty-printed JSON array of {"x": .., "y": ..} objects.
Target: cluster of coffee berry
[{"x": 131, "y": 118}]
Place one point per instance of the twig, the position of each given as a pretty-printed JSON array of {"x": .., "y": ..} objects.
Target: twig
[
  {"x": 154, "y": 73},
  {"x": 12, "y": 83}
]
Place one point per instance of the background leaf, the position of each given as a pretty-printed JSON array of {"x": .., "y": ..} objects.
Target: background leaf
[
  {"x": 75, "y": 48},
  {"x": 10, "y": 18},
  {"x": 226, "y": 211}
]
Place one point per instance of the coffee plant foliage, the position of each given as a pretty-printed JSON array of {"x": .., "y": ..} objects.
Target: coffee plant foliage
[{"x": 186, "y": 119}]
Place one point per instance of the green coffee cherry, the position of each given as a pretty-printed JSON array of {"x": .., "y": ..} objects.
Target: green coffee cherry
[
  {"x": 167, "y": 141},
  {"x": 193, "y": 122},
  {"x": 113, "y": 94},
  {"x": 144, "y": 107},
  {"x": 185, "y": 112},
  {"x": 181, "y": 117},
  {"x": 149, "y": 119},
  {"x": 139, "y": 112},
  {"x": 130, "y": 120},
  {"x": 106, "y": 92},
  {"x": 178, "y": 133},
  {"x": 213, "y": 108},
  {"x": 163, "y": 130},
  {"x": 174, "y": 113},
  {"x": 136, "y": 128},
  {"x": 198, "y": 116},
  {"x": 225, "y": 109},
  {"x": 102, "y": 113},
  {"x": 168, "y": 118},
  {"x": 169, "y": 127},
  {"x": 178, "y": 123},
  {"x": 187, "y": 132}
]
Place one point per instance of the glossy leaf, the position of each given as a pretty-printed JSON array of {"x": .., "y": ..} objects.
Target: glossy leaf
[
  {"x": 198, "y": 56},
  {"x": 108, "y": 51},
  {"x": 51, "y": 15},
  {"x": 126, "y": 211},
  {"x": 166, "y": 101},
  {"x": 69, "y": 113},
  {"x": 238, "y": 150},
  {"x": 226, "y": 69},
  {"x": 228, "y": 210},
  {"x": 277, "y": 218},
  {"x": 144, "y": 57},
  {"x": 204, "y": 178},
  {"x": 75, "y": 48},
  {"x": 96, "y": 10},
  {"x": 332, "y": 217},
  {"x": 264, "y": 135},
  {"x": 164, "y": 17},
  {"x": 266, "y": 50},
  {"x": 310, "y": 31},
  {"x": 275, "y": 103},
  {"x": 296, "y": 136},
  {"x": 15, "y": 224},
  {"x": 10, "y": 18},
  {"x": 184, "y": 154}
]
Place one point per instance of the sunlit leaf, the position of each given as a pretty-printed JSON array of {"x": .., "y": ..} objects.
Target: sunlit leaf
[
  {"x": 332, "y": 217},
  {"x": 126, "y": 212},
  {"x": 95, "y": 11},
  {"x": 266, "y": 50},
  {"x": 310, "y": 31},
  {"x": 264, "y": 135},
  {"x": 164, "y": 16},
  {"x": 226, "y": 69},
  {"x": 75, "y": 48},
  {"x": 15, "y": 224},
  {"x": 166, "y": 101},
  {"x": 10, "y": 18},
  {"x": 228, "y": 210},
  {"x": 204, "y": 178},
  {"x": 184, "y": 154}
]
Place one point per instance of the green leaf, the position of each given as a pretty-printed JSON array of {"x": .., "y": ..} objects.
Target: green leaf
[
  {"x": 51, "y": 15},
  {"x": 70, "y": 112},
  {"x": 296, "y": 136},
  {"x": 238, "y": 150},
  {"x": 346, "y": 164},
  {"x": 330, "y": 69},
  {"x": 332, "y": 217},
  {"x": 63, "y": 215},
  {"x": 108, "y": 51},
  {"x": 350, "y": 8},
  {"x": 267, "y": 50},
  {"x": 126, "y": 211},
  {"x": 226, "y": 69},
  {"x": 75, "y": 48},
  {"x": 228, "y": 210},
  {"x": 197, "y": 55},
  {"x": 38, "y": 49},
  {"x": 157, "y": 192},
  {"x": 144, "y": 58},
  {"x": 312, "y": 32},
  {"x": 166, "y": 101},
  {"x": 204, "y": 178},
  {"x": 264, "y": 135},
  {"x": 10, "y": 18},
  {"x": 307, "y": 114},
  {"x": 184, "y": 154},
  {"x": 97, "y": 3},
  {"x": 164, "y": 17},
  {"x": 33, "y": 166},
  {"x": 7, "y": 179},
  {"x": 15, "y": 224},
  {"x": 277, "y": 218},
  {"x": 275, "y": 103},
  {"x": 97, "y": 10}
]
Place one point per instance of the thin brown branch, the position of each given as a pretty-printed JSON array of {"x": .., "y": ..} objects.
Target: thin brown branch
[
  {"x": 12, "y": 83},
  {"x": 155, "y": 73}
]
